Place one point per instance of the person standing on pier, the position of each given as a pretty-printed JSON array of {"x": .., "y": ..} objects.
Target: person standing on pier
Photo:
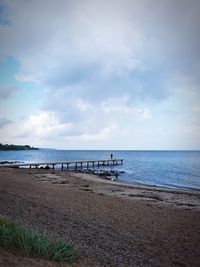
[{"x": 111, "y": 156}]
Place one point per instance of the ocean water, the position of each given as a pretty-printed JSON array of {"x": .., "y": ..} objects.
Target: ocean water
[{"x": 173, "y": 169}]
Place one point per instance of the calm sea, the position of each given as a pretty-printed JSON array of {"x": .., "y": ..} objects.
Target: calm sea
[{"x": 162, "y": 168}]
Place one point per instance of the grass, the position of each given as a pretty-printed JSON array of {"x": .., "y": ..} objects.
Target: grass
[{"x": 31, "y": 244}]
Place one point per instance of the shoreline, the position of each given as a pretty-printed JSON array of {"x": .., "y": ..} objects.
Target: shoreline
[
  {"x": 110, "y": 224},
  {"x": 119, "y": 181},
  {"x": 184, "y": 197},
  {"x": 182, "y": 188},
  {"x": 141, "y": 185},
  {"x": 178, "y": 197}
]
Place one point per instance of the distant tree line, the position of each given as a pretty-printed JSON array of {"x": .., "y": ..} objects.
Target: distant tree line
[{"x": 16, "y": 147}]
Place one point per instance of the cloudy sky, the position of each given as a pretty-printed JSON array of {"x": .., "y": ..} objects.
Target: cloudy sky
[{"x": 100, "y": 74}]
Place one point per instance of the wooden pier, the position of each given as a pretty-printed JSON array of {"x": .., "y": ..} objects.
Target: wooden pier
[{"x": 78, "y": 164}]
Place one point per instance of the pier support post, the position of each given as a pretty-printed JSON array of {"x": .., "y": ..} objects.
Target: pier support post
[{"x": 62, "y": 167}]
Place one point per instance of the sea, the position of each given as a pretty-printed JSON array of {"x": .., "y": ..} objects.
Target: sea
[{"x": 171, "y": 169}]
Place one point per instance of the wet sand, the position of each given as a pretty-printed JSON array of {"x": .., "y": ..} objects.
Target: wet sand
[{"x": 110, "y": 224}]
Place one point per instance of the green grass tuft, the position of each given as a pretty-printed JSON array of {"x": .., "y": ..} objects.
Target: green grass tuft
[{"x": 30, "y": 243}]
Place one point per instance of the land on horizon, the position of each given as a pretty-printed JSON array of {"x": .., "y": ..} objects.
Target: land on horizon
[{"x": 16, "y": 147}]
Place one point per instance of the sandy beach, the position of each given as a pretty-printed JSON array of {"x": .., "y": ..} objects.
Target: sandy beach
[{"x": 109, "y": 224}]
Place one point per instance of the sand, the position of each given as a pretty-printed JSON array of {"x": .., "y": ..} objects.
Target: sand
[{"x": 109, "y": 224}]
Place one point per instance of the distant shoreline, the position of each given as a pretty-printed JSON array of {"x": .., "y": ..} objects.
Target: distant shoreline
[{"x": 16, "y": 147}]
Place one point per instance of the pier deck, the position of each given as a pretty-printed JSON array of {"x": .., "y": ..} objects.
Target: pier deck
[{"x": 66, "y": 164}]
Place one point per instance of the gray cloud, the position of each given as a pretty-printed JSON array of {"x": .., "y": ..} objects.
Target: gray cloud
[
  {"x": 100, "y": 51},
  {"x": 3, "y": 14},
  {"x": 7, "y": 91},
  {"x": 87, "y": 39},
  {"x": 4, "y": 122}
]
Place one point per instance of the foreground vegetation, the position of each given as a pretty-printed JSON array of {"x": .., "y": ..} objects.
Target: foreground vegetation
[{"x": 31, "y": 244}]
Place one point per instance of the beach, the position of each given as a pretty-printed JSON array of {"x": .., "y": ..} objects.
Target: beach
[{"x": 108, "y": 223}]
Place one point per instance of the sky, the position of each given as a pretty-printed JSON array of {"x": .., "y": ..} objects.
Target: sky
[{"x": 100, "y": 74}]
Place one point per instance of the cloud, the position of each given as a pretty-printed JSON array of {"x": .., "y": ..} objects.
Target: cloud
[
  {"x": 3, "y": 14},
  {"x": 4, "y": 122},
  {"x": 86, "y": 39},
  {"x": 102, "y": 63},
  {"x": 7, "y": 91},
  {"x": 196, "y": 109},
  {"x": 129, "y": 112},
  {"x": 99, "y": 40},
  {"x": 90, "y": 122},
  {"x": 102, "y": 135},
  {"x": 46, "y": 129},
  {"x": 43, "y": 125}
]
